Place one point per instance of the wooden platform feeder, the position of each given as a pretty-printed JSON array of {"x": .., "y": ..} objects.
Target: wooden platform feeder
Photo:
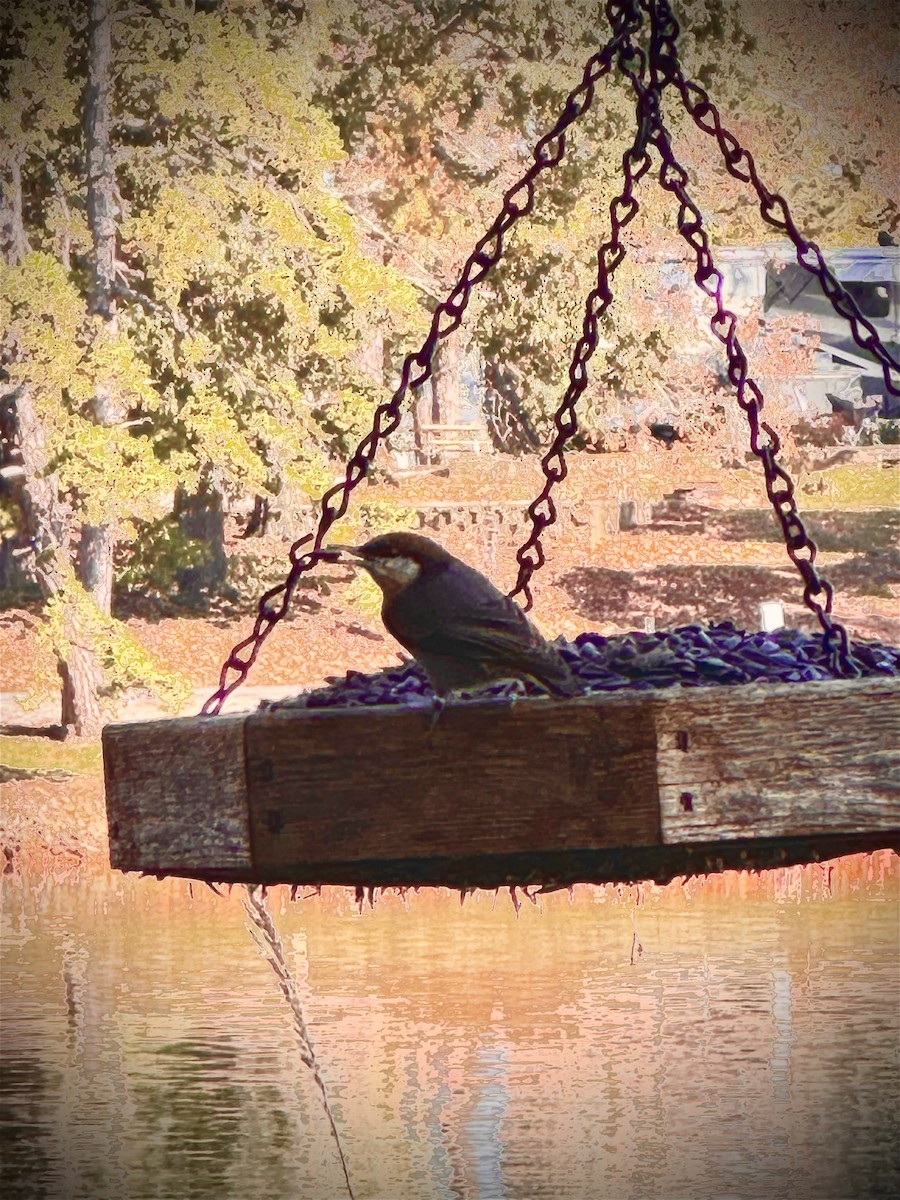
[{"x": 622, "y": 786}]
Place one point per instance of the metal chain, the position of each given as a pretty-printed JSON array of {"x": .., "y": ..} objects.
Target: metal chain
[
  {"x": 673, "y": 178},
  {"x": 518, "y": 201},
  {"x": 625, "y": 19},
  {"x": 740, "y": 165},
  {"x": 666, "y": 70}
]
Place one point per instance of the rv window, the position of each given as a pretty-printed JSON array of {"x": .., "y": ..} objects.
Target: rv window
[
  {"x": 792, "y": 287},
  {"x": 874, "y": 299}
]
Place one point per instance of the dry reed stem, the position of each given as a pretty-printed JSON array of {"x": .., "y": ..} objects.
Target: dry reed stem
[{"x": 266, "y": 937}]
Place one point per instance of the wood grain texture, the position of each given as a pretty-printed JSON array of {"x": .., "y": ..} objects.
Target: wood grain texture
[
  {"x": 627, "y": 786},
  {"x": 779, "y": 760},
  {"x": 176, "y": 795},
  {"x": 490, "y": 779}
]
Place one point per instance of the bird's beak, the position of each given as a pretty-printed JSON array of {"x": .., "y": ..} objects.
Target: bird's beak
[{"x": 354, "y": 551}]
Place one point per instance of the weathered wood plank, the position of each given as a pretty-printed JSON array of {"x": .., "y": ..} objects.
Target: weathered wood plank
[
  {"x": 176, "y": 795},
  {"x": 490, "y": 779},
  {"x": 779, "y": 760},
  {"x": 631, "y": 785}
]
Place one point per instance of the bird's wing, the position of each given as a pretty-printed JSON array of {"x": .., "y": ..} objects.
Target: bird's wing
[
  {"x": 496, "y": 634},
  {"x": 490, "y": 636},
  {"x": 505, "y": 647},
  {"x": 439, "y": 613}
]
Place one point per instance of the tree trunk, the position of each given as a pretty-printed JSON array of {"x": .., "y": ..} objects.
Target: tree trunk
[
  {"x": 95, "y": 564},
  {"x": 446, "y": 383},
  {"x": 423, "y": 417},
  {"x": 95, "y": 552},
  {"x": 200, "y": 516},
  {"x": 47, "y": 519},
  {"x": 15, "y": 552},
  {"x": 44, "y": 514},
  {"x": 81, "y": 678},
  {"x": 258, "y": 521},
  {"x": 102, "y": 208},
  {"x": 47, "y": 525},
  {"x": 508, "y": 425},
  {"x": 15, "y": 243}
]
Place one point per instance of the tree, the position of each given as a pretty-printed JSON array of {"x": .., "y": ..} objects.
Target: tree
[
  {"x": 46, "y": 515},
  {"x": 186, "y": 294},
  {"x": 95, "y": 552}
]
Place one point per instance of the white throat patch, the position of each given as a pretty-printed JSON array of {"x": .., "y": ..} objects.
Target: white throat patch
[{"x": 399, "y": 570}]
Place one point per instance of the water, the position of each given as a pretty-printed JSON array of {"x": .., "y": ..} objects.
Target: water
[{"x": 749, "y": 1049}]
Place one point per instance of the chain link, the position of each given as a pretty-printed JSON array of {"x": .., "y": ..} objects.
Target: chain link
[
  {"x": 625, "y": 19},
  {"x": 518, "y": 201}
]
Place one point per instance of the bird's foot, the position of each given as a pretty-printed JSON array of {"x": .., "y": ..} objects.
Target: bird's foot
[{"x": 438, "y": 704}]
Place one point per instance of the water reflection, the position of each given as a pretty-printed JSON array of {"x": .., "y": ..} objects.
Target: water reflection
[{"x": 749, "y": 1051}]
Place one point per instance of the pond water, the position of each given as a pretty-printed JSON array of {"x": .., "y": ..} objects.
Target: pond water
[{"x": 733, "y": 1037}]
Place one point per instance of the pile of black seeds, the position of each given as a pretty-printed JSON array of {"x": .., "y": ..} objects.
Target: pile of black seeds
[{"x": 691, "y": 655}]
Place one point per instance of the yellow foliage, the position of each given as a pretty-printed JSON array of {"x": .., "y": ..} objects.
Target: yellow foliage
[
  {"x": 42, "y": 95},
  {"x": 72, "y": 618},
  {"x": 364, "y": 595},
  {"x": 372, "y": 518},
  {"x": 180, "y": 238},
  {"x": 219, "y": 440}
]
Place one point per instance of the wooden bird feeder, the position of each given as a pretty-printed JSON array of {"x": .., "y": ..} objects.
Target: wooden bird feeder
[{"x": 622, "y": 786}]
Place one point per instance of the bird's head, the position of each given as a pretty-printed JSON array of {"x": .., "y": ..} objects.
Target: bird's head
[{"x": 395, "y": 560}]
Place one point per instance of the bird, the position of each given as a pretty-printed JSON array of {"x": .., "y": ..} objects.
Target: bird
[{"x": 464, "y": 632}]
